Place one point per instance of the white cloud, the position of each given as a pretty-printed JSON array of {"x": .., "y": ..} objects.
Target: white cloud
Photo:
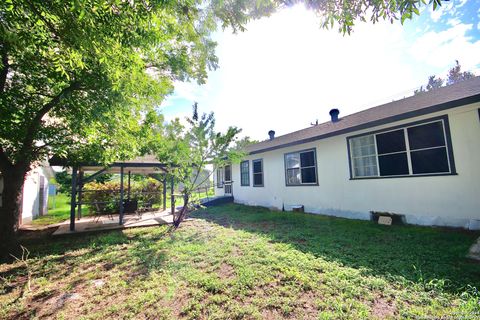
[
  {"x": 441, "y": 49},
  {"x": 285, "y": 72}
]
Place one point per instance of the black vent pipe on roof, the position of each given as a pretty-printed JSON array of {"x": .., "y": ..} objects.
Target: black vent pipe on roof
[
  {"x": 271, "y": 134},
  {"x": 334, "y": 114}
]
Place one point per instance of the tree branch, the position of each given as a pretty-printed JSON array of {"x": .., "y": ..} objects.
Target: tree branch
[
  {"x": 27, "y": 144},
  {"x": 5, "y": 67},
  {"x": 41, "y": 17}
]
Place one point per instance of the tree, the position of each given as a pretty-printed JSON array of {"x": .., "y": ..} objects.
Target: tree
[
  {"x": 77, "y": 77},
  {"x": 433, "y": 83},
  {"x": 190, "y": 149},
  {"x": 455, "y": 74}
]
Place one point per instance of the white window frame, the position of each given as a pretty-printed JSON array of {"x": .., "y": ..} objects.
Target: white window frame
[{"x": 408, "y": 151}]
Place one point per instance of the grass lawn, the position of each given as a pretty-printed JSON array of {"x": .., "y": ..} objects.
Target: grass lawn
[
  {"x": 60, "y": 213},
  {"x": 234, "y": 262}
]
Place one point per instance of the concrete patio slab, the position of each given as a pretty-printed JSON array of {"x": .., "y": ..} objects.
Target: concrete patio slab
[{"x": 89, "y": 224}]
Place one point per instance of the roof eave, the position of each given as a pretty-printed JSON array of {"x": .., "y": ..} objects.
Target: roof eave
[{"x": 407, "y": 115}]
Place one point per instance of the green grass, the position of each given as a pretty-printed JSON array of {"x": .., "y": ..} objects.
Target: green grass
[
  {"x": 60, "y": 213},
  {"x": 237, "y": 262}
]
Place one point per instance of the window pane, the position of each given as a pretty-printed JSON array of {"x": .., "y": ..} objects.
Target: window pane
[
  {"x": 309, "y": 175},
  {"x": 244, "y": 173},
  {"x": 365, "y": 150},
  {"x": 307, "y": 159},
  {"x": 366, "y": 171},
  {"x": 393, "y": 141},
  {"x": 257, "y": 166},
  {"x": 362, "y": 141},
  {"x": 426, "y": 136},
  {"x": 393, "y": 164},
  {"x": 228, "y": 173},
  {"x": 219, "y": 178},
  {"x": 365, "y": 161},
  {"x": 258, "y": 179},
  {"x": 430, "y": 161},
  {"x": 364, "y": 156},
  {"x": 293, "y": 176},
  {"x": 293, "y": 160}
]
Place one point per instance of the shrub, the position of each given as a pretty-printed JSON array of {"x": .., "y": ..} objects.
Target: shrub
[{"x": 103, "y": 198}]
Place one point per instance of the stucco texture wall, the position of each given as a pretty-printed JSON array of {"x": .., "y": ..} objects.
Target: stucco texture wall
[
  {"x": 452, "y": 200},
  {"x": 35, "y": 203}
]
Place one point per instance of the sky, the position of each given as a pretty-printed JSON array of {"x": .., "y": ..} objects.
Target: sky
[{"x": 285, "y": 72}]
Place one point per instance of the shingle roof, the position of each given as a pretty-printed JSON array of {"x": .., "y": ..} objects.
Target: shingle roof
[{"x": 443, "y": 98}]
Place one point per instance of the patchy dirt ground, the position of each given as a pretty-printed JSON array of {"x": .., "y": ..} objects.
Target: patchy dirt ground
[{"x": 234, "y": 262}]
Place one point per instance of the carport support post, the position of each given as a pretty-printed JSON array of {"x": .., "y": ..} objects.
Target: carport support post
[
  {"x": 164, "y": 192},
  {"x": 80, "y": 187},
  {"x": 121, "y": 196},
  {"x": 128, "y": 189},
  {"x": 172, "y": 197},
  {"x": 73, "y": 198}
]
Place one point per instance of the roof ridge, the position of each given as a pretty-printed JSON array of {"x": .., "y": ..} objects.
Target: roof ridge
[{"x": 442, "y": 93}]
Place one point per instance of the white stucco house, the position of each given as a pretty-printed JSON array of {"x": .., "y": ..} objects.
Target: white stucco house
[
  {"x": 35, "y": 193},
  {"x": 418, "y": 157}
]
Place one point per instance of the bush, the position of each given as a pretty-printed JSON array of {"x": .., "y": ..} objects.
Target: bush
[{"x": 103, "y": 198}]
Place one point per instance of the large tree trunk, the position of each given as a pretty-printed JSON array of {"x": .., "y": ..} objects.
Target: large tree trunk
[{"x": 13, "y": 180}]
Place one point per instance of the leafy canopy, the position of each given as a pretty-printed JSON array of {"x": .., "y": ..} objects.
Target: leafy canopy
[{"x": 77, "y": 77}]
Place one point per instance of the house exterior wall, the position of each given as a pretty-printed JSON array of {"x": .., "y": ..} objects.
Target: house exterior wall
[
  {"x": 448, "y": 200},
  {"x": 35, "y": 198}
]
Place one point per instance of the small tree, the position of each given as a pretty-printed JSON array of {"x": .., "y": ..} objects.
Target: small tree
[
  {"x": 192, "y": 148},
  {"x": 455, "y": 74}
]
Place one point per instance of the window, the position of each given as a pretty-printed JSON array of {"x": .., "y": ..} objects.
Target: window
[
  {"x": 228, "y": 173},
  {"x": 417, "y": 149},
  {"x": 301, "y": 168},
  {"x": 257, "y": 173},
  {"x": 244, "y": 173},
  {"x": 220, "y": 178}
]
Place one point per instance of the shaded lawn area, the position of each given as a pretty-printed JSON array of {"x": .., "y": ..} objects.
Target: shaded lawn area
[{"x": 234, "y": 262}]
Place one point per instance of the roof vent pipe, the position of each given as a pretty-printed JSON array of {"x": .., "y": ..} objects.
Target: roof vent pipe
[
  {"x": 334, "y": 114},
  {"x": 271, "y": 134}
]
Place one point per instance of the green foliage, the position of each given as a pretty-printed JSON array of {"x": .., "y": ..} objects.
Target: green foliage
[
  {"x": 64, "y": 180},
  {"x": 239, "y": 262},
  {"x": 104, "y": 198},
  {"x": 190, "y": 149},
  {"x": 77, "y": 76}
]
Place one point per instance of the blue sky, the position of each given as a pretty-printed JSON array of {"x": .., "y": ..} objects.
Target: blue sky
[{"x": 285, "y": 72}]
